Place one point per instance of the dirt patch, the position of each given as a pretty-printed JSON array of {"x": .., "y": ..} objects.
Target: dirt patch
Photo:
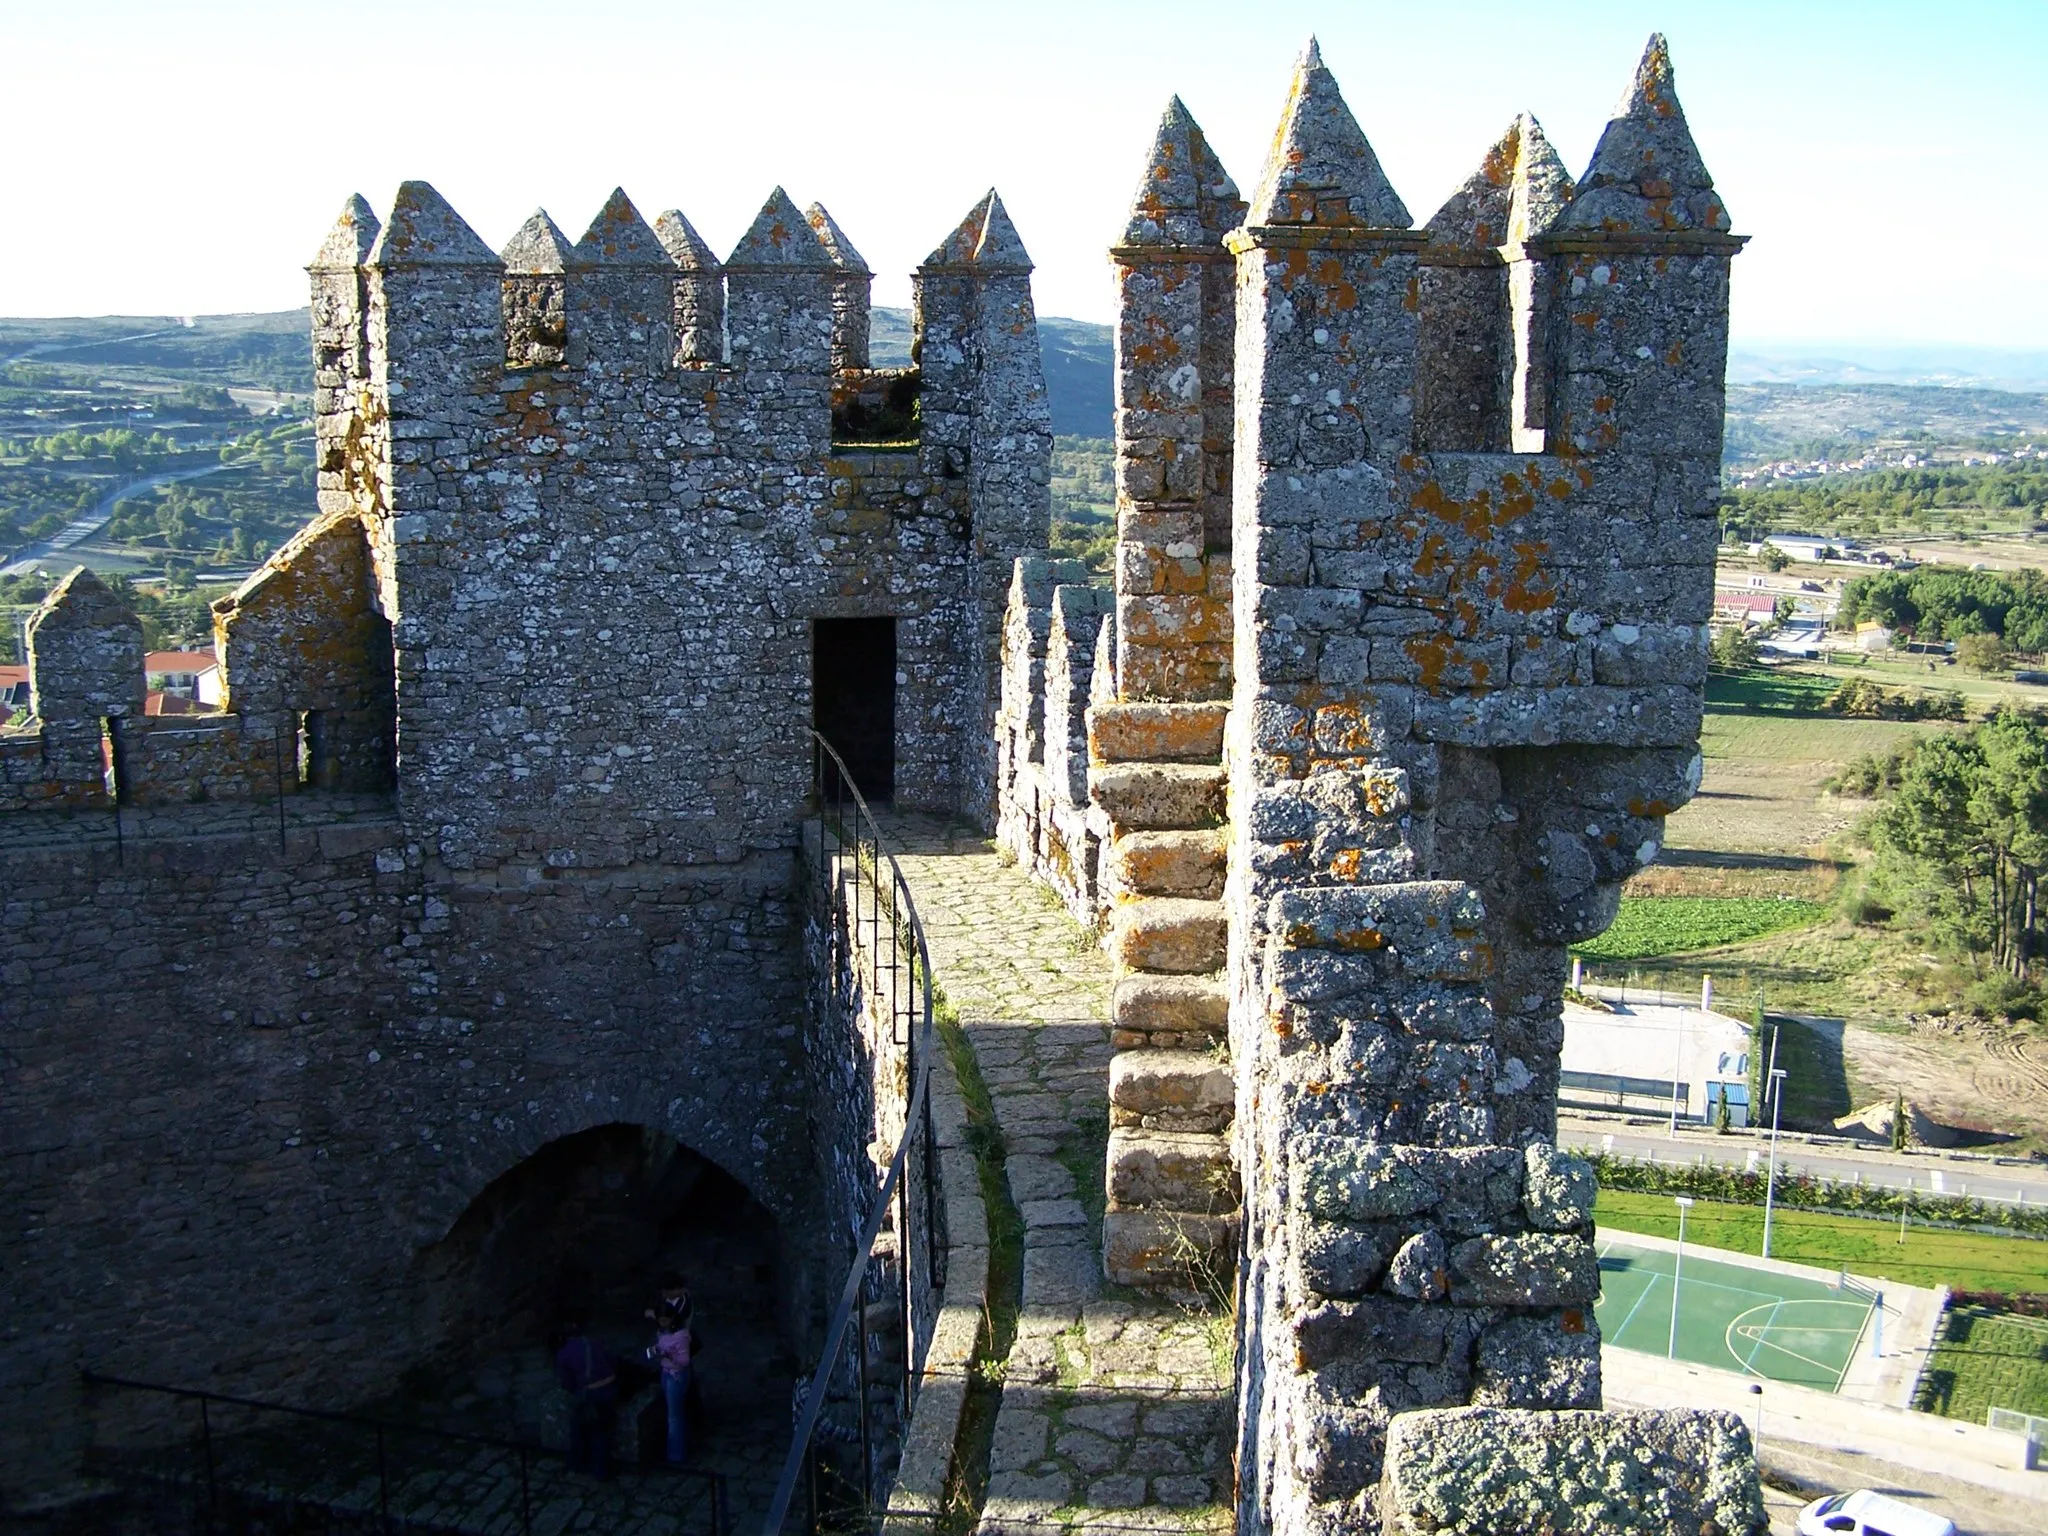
[{"x": 1975, "y": 1076}]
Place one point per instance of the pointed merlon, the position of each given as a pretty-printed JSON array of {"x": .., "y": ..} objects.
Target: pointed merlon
[
  {"x": 1647, "y": 176},
  {"x": 348, "y": 243},
  {"x": 685, "y": 247},
  {"x": 957, "y": 249},
  {"x": 1518, "y": 191},
  {"x": 1000, "y": 248},
  {"x": 539, "y": 248},
  {"x": 1542, "y": 188},
  {"x": 984, "y": 242},
  {"x": 423, "y": 231},
  {"x": 1321, "y": 170},
  {"x": 618, "y": 237},
  {"x": 1185, "y": 197},
  {"x": 833, "y": 238},
  {"x": 780, "y": 237}
]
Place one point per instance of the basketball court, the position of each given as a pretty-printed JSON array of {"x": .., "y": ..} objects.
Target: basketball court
[{"x": 1782, "y": 1327}]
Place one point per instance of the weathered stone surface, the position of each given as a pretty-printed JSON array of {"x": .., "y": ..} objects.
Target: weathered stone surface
[
  {"x": 1157, "y": 733},
  {"x": 1531, "y": 1270},
  {"x": 1187, "y": 864},
  {"x": 1502, "y": 1472},
  {"x": 1155, "y": 796},
  {"x": 1557, "y": 1189},
  {"x": 1421, "y": 1270},
  {"x": 1169, "y": 934},
  {"x": 1180, "y": 1250},
  {"x": 1170, "y": 1004},
  {"x": 1171, "y": 1171},
  {"x": 1171, "y": 1090},
  {"x": 1540, "y": 1362}
]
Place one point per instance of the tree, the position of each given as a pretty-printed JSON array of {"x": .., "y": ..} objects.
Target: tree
[
  {"x": 1898, "y": 1122},
  {"x": 1981, "y": 653},
  {"x": 1773, "y": 558},
  {"x": 1783, "y": 609},
  {"x": 1733, "y": 648}
]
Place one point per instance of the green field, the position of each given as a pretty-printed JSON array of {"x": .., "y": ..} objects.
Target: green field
[
  {"x": 1986, "y": 1359},
  {"x": 1781, "y": 1327},
  {"x": 1930, "y": 1256},
  {"x": 1671, "y": 925}
]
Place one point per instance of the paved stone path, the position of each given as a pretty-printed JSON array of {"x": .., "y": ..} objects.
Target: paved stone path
[{"x": 1116, "y": 1410}]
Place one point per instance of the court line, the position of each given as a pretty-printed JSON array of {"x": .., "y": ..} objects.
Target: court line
[
  {"x": 1654, "y": 1278},
  {"x": 1750, "y": 1364}
]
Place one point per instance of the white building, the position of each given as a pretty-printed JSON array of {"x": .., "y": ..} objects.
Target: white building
[{"x": 1643, "y": 1054}]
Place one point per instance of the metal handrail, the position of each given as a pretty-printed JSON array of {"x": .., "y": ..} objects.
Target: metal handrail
[
  {"x": 525, "y": 1449},
  {"x": 916, "y": 1119}
]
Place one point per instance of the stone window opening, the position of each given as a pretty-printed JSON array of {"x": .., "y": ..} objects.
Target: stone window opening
[{"x": 853, "y": 702}]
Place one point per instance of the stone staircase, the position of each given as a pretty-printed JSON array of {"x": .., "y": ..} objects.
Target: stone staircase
[{"x": 1156, "y": 774}]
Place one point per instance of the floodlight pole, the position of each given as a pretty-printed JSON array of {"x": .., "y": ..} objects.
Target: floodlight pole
[
  {"x": 1771, "y": 1180},
  {"x": 1677, "y": 1266}
]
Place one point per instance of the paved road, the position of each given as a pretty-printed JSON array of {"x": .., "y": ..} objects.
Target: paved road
[
  {"x": 80, "y": 529},
  {"x": 2015, "y": 1183}
]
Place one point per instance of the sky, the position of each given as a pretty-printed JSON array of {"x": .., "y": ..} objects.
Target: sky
[{"x": 187, "y": 158}]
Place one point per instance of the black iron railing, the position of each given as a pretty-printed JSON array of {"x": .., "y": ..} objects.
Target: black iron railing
[
  {"x": 391, "y": 1438},
  {"x": 870, "y": 902}
]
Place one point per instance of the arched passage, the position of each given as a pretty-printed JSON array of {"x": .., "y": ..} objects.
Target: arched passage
[{"x": 588, "y": 1224}]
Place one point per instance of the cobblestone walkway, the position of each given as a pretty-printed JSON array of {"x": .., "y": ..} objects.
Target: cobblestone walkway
[{"x": 1116, "y": 1406}]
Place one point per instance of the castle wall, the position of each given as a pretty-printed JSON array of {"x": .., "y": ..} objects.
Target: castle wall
[{"x": 247, "y": 1088}]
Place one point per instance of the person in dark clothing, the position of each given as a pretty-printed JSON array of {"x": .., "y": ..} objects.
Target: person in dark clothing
[{"x": 591, "y": 1379}]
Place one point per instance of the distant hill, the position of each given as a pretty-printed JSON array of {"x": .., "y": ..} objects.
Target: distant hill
[{"x": 1781, "y": 399}]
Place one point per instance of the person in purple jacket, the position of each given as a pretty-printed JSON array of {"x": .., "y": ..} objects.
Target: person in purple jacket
[{"x": 590, "y": 1377}]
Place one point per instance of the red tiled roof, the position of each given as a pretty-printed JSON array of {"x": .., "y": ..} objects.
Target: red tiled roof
[{"x": 177, "y": 661}]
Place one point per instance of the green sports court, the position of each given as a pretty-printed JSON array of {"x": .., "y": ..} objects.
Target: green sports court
[{"x": 1777, "y": 1326}]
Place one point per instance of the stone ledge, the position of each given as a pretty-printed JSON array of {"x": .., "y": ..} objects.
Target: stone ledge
[
  {"x": 1161, "y": 796},
  {"x": 1171, "y": 934},
  {"x": 1573, "y": 1472},
  {"x": 1141, "y": 733}
]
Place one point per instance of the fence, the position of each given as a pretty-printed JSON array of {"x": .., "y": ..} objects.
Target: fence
[
  {"x": 394, "y": 1477},
  {"x": 2032, "y": 1428},
  {"x": 871, "y": 911}
]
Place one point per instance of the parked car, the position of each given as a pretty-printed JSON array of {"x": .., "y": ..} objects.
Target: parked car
[{"x": 1865, "y": 1513}]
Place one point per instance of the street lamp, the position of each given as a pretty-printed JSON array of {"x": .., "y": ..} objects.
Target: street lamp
[
  {"x": 1757, "y": 1390},
  {"x": 1677, "y": 1265},
  {"x": 1677, "y": 1075},
  {"x": 1771, "y": 1180}
]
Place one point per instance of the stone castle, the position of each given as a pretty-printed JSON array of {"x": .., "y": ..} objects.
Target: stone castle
[{"x": 494, "y": 843}]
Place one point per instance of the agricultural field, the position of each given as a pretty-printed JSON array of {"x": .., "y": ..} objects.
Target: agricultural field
[
  {"x": 1986, "y": 1358},
  {"x": 1664, "y": 925}
]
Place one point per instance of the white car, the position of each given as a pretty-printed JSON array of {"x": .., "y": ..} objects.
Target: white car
[{"x": 1864, "y": 1513}]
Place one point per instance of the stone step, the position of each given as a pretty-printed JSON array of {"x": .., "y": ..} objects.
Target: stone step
[
  {"x": 1170, "y": 1091},
  {"x": 1178, "y": 863},
  {"x": 1189, "y": 1012},
  {"x": 1171, "y": 1250},
  {"x": 1170, "y": 1171},
  {"x": 1169, "y": 933},
  {"x": 1157, "y": 733},
  {"x": 1159, "y": 796}
]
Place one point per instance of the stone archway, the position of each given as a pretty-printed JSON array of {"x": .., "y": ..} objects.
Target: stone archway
[{"x": 588, "y": 1223}]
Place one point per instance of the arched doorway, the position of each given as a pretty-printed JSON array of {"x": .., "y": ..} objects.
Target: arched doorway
[{"x": 588, "y": 1224}]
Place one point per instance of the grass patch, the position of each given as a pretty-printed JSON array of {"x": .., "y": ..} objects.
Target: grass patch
[
  {"x": 1667, "y": 925},
  {"x": 1768, "y": 690},
  {"x": 1968, "y": 1261},
  {"x": 1985, "y": 1358},
  {"x": 967, "y": 1480}
]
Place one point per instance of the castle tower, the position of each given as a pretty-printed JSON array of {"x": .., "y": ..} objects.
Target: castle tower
[
  {"x": 341, "y": 362},
  {"x": 621, "y": 296},
  {"x": 537, "y": 259},
  {"x": 778, "y": 293},
  {"x": 851, "y": 286}
]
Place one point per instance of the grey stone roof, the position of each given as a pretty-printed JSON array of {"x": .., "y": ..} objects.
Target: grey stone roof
[
  {"x": 985, "y": 241},
  {"x": 423, "y": 231},
  {"x": 833, "y": 238},
  {"x": 348, "y": 242},
  {"x": 781, "y": 236},
  {"x": 1322, "y": 170},
  {"x": 685, "y": 247},
  {"x": 1647, "y": 176},
  {"x": 618, "y": 237},
  {"x": 1519, "y": 190},
  {"x": 1185, "y": 197},
  {"x": 538, "y": 248}
]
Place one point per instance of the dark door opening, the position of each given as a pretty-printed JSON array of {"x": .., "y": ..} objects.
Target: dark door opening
[{"x": 853, "y": 700}]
